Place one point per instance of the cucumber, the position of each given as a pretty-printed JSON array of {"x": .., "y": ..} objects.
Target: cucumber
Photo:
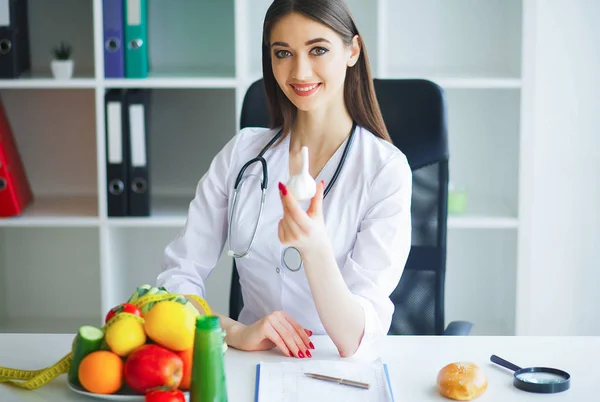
[
  {"x": 153, "y": 291},
  {"x": 88, "y": 339},
  {"x": 139, "y": 292}
]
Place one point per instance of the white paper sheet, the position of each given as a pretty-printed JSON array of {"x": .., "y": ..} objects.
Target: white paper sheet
[{"x": 286, "y": 382}]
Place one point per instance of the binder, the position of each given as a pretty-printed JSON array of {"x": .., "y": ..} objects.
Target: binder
[
  {"x": 138, "y": 198},
  {"x": 15, "y": 190},
  {"x": 117, "y": 143},
  {"x": 14, "y": 38},
  {"x": 136, "y": 38},
  {"x": 114, "y": 55}
]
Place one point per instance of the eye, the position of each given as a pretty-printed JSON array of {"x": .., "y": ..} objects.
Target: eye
[
  {"x": 319, "y": 50},
  {"x": 280, "y": 54}
]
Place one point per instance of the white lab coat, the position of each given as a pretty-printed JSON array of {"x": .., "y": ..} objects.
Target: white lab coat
[{"x": 367, "y": 216}]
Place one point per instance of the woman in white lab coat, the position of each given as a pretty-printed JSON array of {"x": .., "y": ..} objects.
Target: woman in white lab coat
[{"x": 353, "y": 242}]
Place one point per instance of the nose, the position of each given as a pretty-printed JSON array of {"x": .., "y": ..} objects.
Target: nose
[{"x": 302, "y": 68}]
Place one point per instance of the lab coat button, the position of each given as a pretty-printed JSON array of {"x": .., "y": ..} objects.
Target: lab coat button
[{"x": 277, "y": 269}]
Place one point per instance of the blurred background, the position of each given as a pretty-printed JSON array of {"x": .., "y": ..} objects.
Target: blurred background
[{"x": 521, "y": 80}]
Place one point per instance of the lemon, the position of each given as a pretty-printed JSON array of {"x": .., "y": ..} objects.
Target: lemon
[
  {"x": 171, "y": 324},
  {"x": 125, "y": 335}
]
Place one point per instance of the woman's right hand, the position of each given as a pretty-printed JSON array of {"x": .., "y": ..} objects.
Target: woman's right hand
[{"x": 277, "y": 329}]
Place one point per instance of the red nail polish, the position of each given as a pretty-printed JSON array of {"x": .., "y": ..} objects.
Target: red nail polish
[
  {"x": 310, "y": 332},
  {"x": 300, "y": 354},
  {"x": 311, "y": 345},
  {"x": 308, "y": 354},
  {"x": 291, "y": 354},
  {"x": 282, "y": 188}
]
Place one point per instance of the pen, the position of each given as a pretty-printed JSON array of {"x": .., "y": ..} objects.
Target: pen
[{"x": 339, "y": 380}]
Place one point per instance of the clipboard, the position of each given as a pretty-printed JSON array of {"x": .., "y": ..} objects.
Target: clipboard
[{"x": 305, "y": 367}]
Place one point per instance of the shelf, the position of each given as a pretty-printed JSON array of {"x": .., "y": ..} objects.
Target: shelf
[
  {"x": 191, "y": 79},
  {"x": 484, "y": 213},
  {"x": 62, "y": 264},
  {"x": 460, "y": 82},
  {"x": 44, "y": 324},
  {"x": 44, "y": 80},
  {"x": 481, "y": 222},
  {"x": 66, "y": 211},
  {"x": 167, "y": 212}
]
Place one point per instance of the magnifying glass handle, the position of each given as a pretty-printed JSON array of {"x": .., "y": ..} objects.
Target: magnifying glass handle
[{"x": 504, "y": 363}]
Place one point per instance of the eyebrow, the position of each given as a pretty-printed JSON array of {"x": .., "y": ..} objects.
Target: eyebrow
[{"x": 308, "y": 42}]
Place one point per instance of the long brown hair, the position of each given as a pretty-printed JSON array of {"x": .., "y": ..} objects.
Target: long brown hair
[{"x": 359, "y": 92}]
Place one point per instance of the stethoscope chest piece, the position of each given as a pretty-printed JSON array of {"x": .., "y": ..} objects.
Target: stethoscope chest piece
[{"x": 291, "y": 259}]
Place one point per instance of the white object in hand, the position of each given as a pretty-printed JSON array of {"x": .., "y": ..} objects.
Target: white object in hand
[{"x": 303, "y": 186}]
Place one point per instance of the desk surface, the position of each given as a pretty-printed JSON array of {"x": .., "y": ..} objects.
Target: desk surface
[{"x": 413, "y": 364}]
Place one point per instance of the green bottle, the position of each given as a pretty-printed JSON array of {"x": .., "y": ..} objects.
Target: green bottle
[{"x": 208, "y": 368}]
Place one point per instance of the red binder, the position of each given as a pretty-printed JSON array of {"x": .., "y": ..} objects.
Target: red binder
[{"x": 15, "y": 190}]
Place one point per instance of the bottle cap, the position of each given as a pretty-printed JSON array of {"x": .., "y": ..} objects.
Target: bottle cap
[{"x": 208, "y": 322}]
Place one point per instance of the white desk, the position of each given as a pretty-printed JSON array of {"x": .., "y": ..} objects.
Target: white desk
[{"x": 413, "y": 364}]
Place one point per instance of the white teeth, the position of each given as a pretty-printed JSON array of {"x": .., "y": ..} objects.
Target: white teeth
[{"x": 306, "y": 89}]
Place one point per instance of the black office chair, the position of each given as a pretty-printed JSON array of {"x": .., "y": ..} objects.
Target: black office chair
[{"x": 414, "y": 112}]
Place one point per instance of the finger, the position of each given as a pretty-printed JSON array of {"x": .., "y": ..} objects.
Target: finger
[
  {"x": 308, "y": 332},
  {"x": 316, "y": 204},
  {"x": 292, "y": 208},
  {"x": 301, "y": 331},
  {"x": 292, "y": 229},
  {"x": 272, "y": 334},
  {"x": 281, "y": 232},
  {"x": 285, "y": 237},
  {"x": 289, "y": 335}
]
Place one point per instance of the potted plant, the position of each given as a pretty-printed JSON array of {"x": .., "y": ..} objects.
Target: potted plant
[{"x": 62, "y": 64}]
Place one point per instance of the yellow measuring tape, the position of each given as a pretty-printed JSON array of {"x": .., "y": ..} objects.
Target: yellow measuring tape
[{"x": 33, "y": 379}]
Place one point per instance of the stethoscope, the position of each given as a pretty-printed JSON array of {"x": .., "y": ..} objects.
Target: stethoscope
[{"x": 291, "y": 257}]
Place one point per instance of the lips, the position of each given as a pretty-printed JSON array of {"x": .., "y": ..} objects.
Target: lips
[{"x": 305, "y": 89}]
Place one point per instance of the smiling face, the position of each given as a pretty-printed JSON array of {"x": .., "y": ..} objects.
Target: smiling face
[{"x": 309, "y": 61}]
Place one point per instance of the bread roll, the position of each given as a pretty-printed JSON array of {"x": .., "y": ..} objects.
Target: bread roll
[{"x": 461, "y": 381}]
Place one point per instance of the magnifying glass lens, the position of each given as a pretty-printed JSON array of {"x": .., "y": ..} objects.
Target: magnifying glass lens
[{"x": 541, "y": 378}]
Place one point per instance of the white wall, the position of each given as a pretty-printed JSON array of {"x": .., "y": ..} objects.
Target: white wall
[{"x": 559, "y": 278}]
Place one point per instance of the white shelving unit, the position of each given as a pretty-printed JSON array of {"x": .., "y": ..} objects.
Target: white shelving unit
[{"x": 64, "y": 262}]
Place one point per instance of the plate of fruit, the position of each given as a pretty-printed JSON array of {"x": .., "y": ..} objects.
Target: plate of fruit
[{"x": 143, "y": 352}]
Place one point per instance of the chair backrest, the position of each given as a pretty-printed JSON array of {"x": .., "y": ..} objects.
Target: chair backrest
[{"x": 414, "y": 112}]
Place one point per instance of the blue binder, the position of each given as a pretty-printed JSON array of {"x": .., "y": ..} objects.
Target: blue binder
[
  {"x": 114, "y": 56},
  {"x": 136, "y": 38}
]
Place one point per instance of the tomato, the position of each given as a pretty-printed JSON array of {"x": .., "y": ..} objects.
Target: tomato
[
  {"x": 123, "y": 308},
  {"x": 164, "y": 395}
]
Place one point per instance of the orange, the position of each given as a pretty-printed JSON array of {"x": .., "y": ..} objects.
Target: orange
[
  {"x": 186, "y": 378},
  {"x": 101, "y": 372}
]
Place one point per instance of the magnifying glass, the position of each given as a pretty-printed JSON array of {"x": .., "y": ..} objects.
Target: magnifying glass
[{"x": 543, "y": 380}]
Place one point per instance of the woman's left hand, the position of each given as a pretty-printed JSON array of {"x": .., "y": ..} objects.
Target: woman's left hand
[{"x": 300, "y": 229}]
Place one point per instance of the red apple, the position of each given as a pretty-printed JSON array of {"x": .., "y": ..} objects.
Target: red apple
[{"x": 151, "y": 366}]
